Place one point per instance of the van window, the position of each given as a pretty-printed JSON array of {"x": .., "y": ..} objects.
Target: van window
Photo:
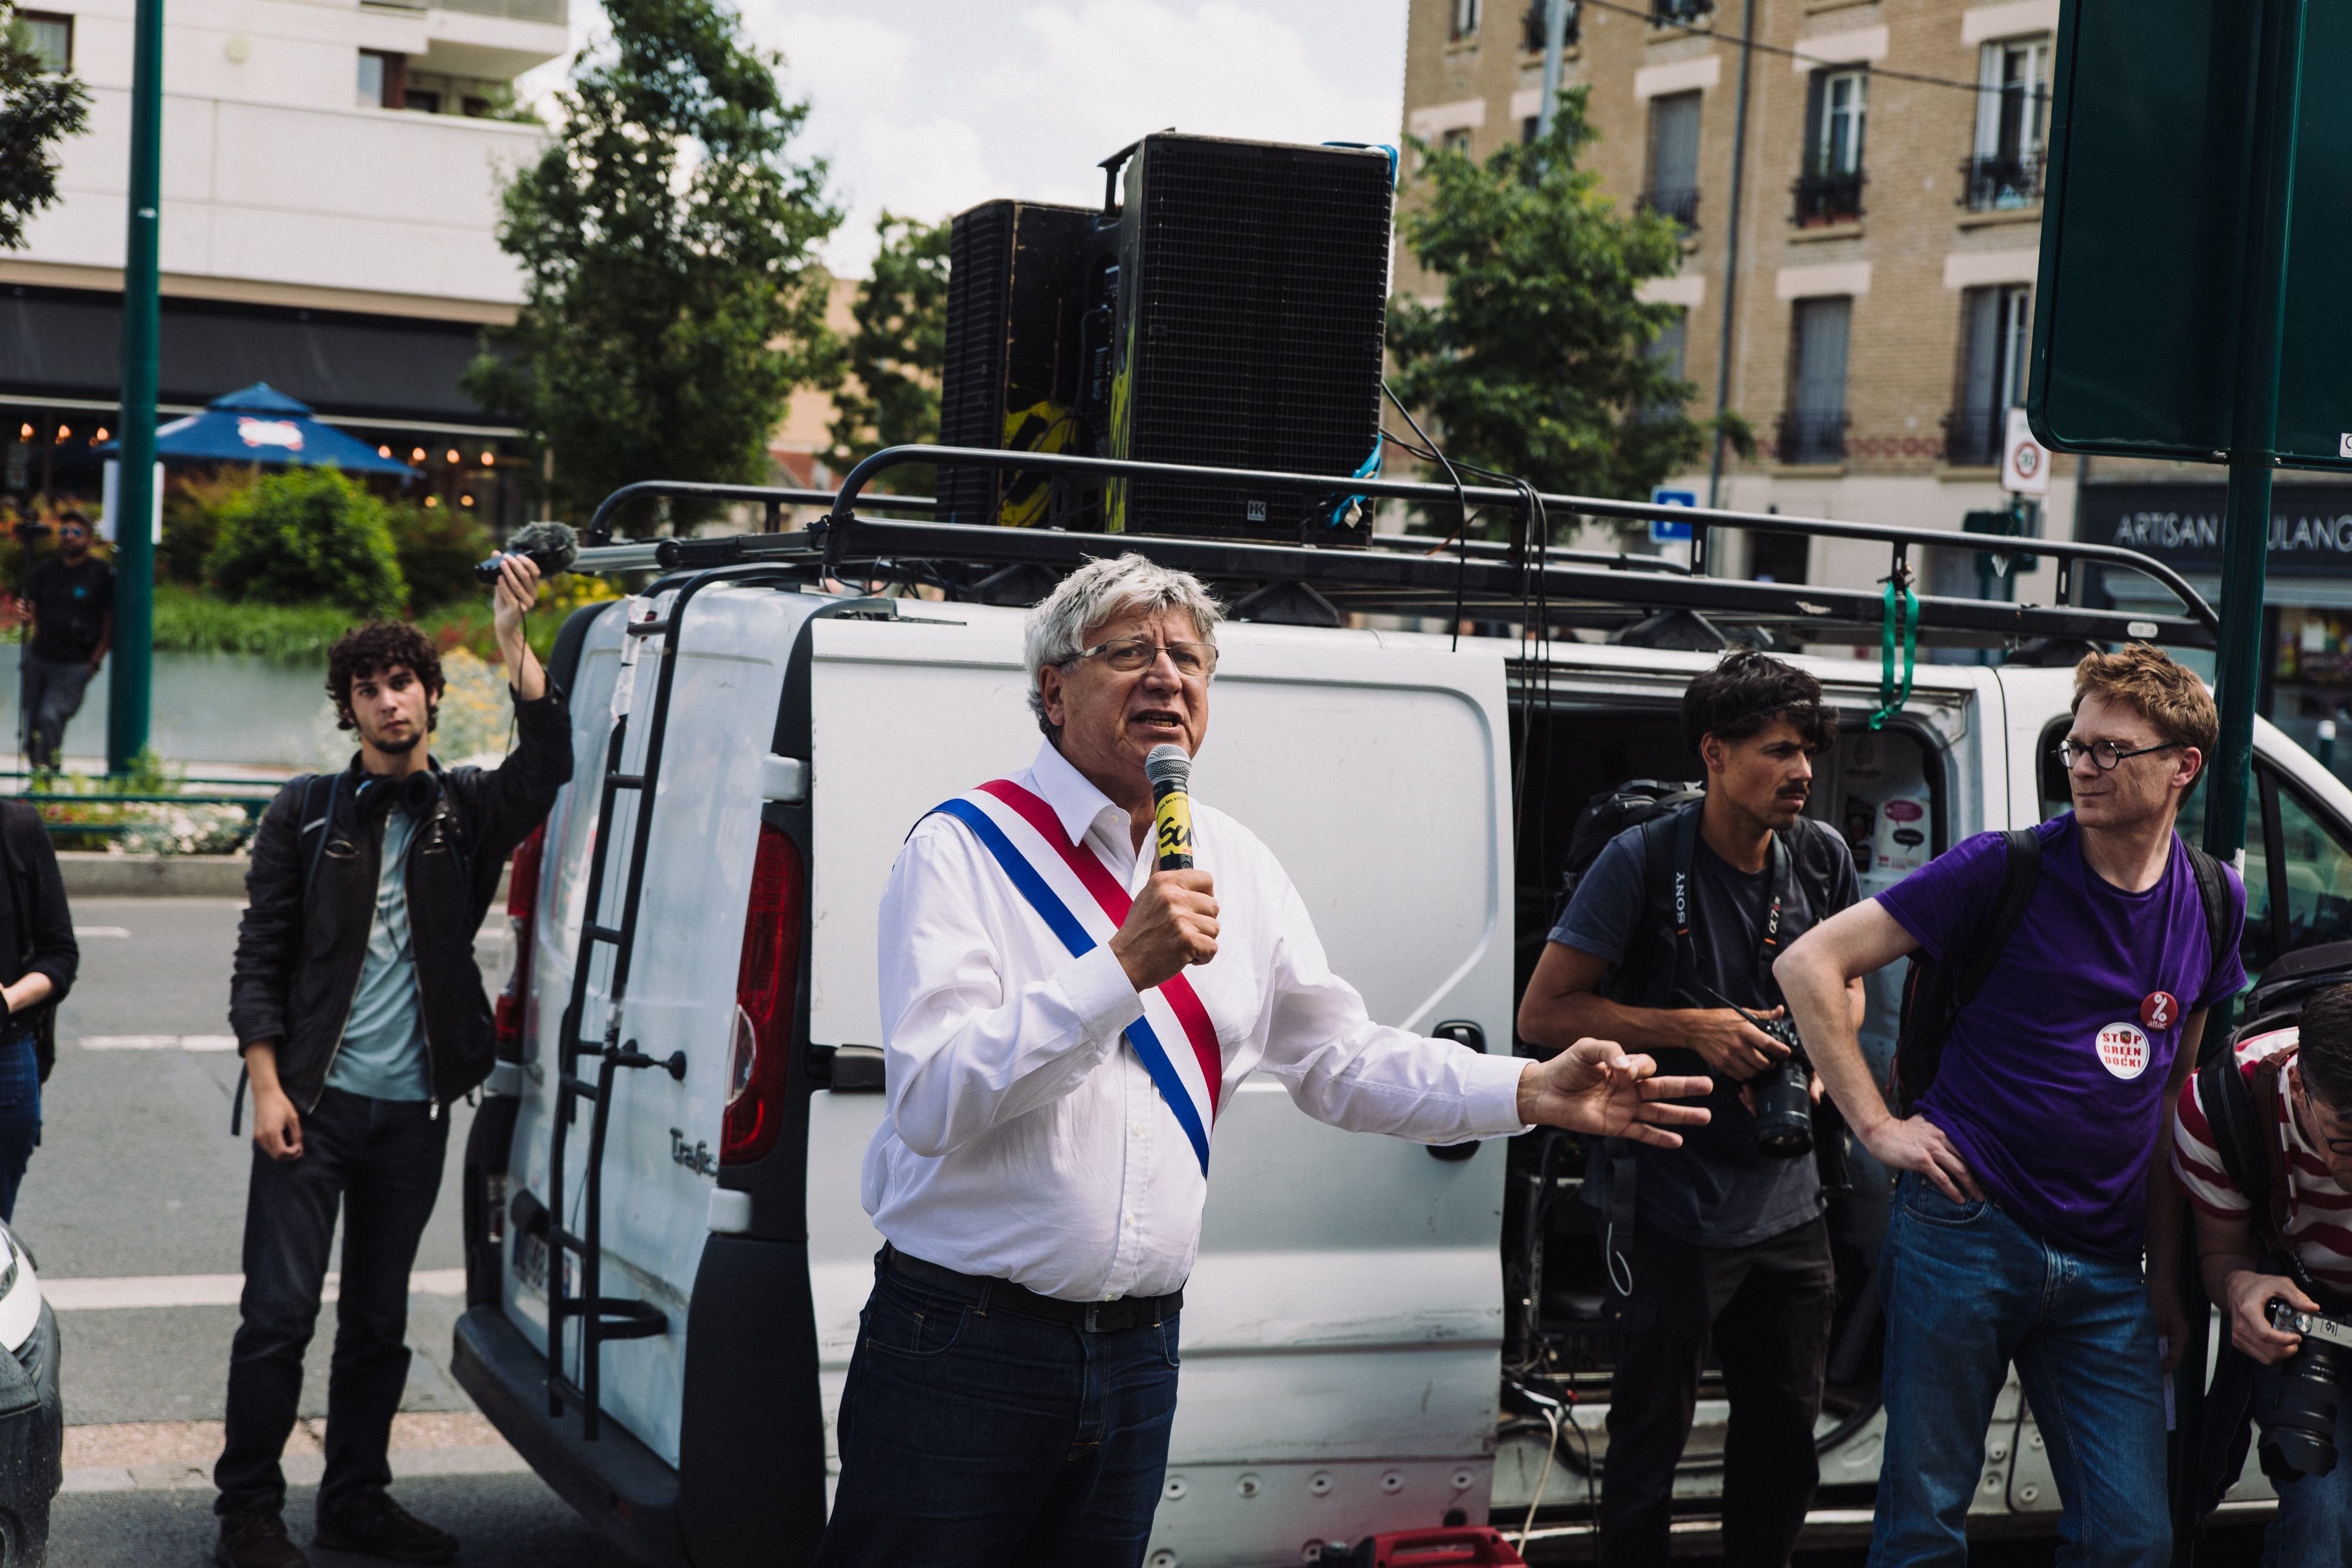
[{"x": 2317, "y": 870}]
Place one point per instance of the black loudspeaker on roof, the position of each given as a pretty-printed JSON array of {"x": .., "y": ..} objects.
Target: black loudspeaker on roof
[{"x": 1228, "y": 309}]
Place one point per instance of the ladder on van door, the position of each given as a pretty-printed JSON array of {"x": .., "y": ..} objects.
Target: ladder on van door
[{"x": 604, "y": 1318}]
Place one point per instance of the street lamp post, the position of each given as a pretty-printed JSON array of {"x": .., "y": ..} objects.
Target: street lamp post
[{"x": 133, "y": 650}]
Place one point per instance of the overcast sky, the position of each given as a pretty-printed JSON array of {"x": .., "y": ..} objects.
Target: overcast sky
[{"x": 925, "y": 107}]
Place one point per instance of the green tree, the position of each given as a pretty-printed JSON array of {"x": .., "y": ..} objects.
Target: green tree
[
  {"x": 1538, "y": 362},
  {"x": 38, "y": 107},
  {"x": 308, "y": 535},
  {"x": 896, "y": 356},
  {"x": 671, "y": 301}
]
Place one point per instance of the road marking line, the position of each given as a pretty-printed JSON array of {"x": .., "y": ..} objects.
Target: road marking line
[
  {"x": 206, "y": 1289},
  {"x": 101, "y": 931},
  {"x": 157, "y": 1042}
]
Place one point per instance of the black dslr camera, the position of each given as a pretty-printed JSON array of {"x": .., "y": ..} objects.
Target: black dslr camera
[
  {"x": 2302, "y": 1434},
  {"x": 1783, "y": 1092}
]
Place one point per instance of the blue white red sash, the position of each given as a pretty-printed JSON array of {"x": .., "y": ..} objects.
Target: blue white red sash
[{"x": 1085, "y": 903}]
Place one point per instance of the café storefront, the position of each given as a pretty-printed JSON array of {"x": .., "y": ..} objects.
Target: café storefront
[{"x": 2307, "y": 604}]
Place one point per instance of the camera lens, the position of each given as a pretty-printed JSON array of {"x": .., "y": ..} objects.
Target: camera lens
[
  {"x": 1784, "y": 1109},
  {"x": 2302, "y": 1429}
]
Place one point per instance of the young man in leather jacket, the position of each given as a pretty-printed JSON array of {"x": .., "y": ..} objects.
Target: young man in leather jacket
[{"x": 361, "y": 1016}]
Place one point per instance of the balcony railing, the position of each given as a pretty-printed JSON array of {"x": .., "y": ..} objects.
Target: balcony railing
[
  {"x": 1666, "y": 12},
  {"x": 1827, "y": 199},
  {"x": 1973, "y": 437},
  {"x": 558, "y": 12},
  {"x": 2001, "y": 181},
  {"x": 1811, "y": 436},
  {"x": 1681, "y": 205}
]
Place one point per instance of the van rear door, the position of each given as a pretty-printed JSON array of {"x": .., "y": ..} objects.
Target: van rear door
[{"x": 1342, "y": 1326}]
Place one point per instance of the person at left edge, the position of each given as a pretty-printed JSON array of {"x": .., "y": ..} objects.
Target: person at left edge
[
  {"x": 40, "y": 958},
  {"x": 361, "y": 1013},
  {"x": 1014, "y": 1379}
]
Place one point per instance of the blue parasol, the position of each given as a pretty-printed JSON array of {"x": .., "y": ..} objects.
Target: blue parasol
[{"x": 261, "y": 425}]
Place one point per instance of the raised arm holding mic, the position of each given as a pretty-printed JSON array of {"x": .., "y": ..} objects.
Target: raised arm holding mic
[{"x": 549, "y": 547}]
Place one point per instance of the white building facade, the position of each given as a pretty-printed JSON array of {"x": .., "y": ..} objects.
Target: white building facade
[{"x": 331, "y": 178}]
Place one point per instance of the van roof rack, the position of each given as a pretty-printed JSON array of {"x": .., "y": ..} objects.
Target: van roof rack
[{"x": 1406, "y": 574}]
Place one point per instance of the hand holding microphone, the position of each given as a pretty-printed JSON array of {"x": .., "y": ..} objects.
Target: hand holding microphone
[
  {"x": 549, "y": 547},
  {"x": 1174, "y": 921}
]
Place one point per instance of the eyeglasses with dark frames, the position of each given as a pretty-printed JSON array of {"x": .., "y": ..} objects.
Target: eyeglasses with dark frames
[
  {"x": 2107, "y": 755},
  {"x": 2333, "y": 1145},
  {"x": 1194, "y": 661}
]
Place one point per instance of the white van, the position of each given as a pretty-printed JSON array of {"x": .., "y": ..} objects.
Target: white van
[{"x": 750, "y": 749}]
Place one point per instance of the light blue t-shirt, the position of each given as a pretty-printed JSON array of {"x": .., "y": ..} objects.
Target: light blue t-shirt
[{"x": 382, "y": 1052}]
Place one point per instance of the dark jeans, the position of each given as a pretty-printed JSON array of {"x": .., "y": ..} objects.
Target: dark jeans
[
  {"x": 381, "y": 1160},
  {"x": 20, "y": 1116},
  {"x": 974, "y": 1436},
  {"x": 1969, "y": 1292},
  {"x": 53, "y": 694},
  {"x": 1768, "y": 1309}
]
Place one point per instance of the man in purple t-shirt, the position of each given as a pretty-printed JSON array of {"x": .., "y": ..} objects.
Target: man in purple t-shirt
[{"x": 2022, "y": 1210}]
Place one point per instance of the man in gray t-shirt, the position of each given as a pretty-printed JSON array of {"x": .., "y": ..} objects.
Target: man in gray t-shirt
[{"x": 1727, "y": 1243}]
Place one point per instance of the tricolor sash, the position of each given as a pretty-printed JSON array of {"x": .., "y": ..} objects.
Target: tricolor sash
[{"x": 1085, "y": 903}]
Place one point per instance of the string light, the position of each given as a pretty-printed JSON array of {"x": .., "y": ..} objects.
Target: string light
[
  {"x": 64, "y": 431},
  {"x": 25, "y": 433},
  {"x": 99, "y": 437},
  {"x": 464, "y": 500},
  {"x": 431, "y": 501},
  {"x": 489, "y": 459},
  {"x": 384, "y": 452},
  {"x": 417, "y": 456},
  {"x": 453, "y": 455}
]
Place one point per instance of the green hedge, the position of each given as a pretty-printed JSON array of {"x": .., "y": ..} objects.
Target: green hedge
[{"x": 189, "y": 621}]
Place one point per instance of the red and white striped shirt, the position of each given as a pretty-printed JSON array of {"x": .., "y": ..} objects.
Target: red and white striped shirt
[{"x": 2319, "y": 1212}]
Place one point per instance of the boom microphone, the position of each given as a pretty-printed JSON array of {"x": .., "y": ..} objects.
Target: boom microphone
[
  {"x": 1170, "y": 773},
  {"x": 550, "y": 546}
]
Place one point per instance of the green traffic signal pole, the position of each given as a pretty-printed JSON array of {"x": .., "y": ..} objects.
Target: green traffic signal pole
[
  {"x": 133, "y": 650},
  {"x": 2240, "y": 653}
]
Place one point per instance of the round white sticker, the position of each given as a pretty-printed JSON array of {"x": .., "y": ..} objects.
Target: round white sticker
[{"x": 2123, "y": 1050}]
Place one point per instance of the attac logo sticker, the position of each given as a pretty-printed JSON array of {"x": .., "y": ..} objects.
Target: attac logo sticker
[
  {"x": 2123, "y": 1050},
  {"x": 2157, "y": 1009}
]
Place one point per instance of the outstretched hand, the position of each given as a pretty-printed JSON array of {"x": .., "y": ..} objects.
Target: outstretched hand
[{"x": 1593, "y": 1087}]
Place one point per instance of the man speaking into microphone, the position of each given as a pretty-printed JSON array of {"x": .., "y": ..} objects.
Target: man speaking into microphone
[{"x": 1067, "y": 995}]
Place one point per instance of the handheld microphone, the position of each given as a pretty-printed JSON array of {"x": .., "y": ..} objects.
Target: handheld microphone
[
  {"x": 550, "y": 546},
  {"x": 1170, "y": 773}
]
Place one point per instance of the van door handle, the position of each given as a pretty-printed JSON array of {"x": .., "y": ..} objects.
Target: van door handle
[{"x": 1470, "y": 1036}]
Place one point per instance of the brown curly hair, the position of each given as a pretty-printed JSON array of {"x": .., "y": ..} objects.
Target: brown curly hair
[{"x": 374, "y": 648}]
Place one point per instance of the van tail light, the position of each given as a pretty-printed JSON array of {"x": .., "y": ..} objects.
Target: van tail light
[
  {"x": 506, "y": 1019},
  {"x": 766, "y": 985}
]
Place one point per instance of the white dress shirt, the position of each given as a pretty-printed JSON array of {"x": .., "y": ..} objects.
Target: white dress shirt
[{"x": 1024, "y": 1139}]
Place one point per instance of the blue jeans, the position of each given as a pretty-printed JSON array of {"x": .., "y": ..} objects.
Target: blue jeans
[
  {"x": 972, "y": 1436},
  {"x": 20, "y": 1117},
  {"x": 2313, "y": 1527},
  {"x": 1968, "y": 1291}
]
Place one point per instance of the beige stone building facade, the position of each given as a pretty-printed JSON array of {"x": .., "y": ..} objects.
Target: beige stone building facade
[{"x": 1888, "y": 229}]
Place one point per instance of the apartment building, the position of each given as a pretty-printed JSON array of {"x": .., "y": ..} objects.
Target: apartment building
[
  {"x": 330, "y": 180},
  {"x": 1889, "y": 230}
]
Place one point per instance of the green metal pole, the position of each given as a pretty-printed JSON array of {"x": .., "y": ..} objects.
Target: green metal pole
[
  {"x": 2241, "y": 652},
  {"x": 134, "y": 653}
]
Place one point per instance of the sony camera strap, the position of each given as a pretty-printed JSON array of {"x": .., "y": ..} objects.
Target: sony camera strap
[{"x": 1683, "y": 892}]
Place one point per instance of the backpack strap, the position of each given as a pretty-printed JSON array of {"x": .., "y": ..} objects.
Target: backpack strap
[
  {"x": 2234, "y": 1110},
  {"x": 2213, "y": 892},
  {"x": 2021, "y": 874}
]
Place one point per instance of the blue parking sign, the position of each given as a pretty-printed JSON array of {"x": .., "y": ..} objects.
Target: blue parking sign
[{"x": 1665, "y": 533}]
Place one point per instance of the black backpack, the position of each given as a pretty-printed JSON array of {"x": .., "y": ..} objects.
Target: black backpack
[
  {"x": 1610, "y": 813},
  {"x": 1934, "y": 993}
]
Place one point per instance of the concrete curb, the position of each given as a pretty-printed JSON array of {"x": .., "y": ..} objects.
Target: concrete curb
[{"x": 95, "y": 873}]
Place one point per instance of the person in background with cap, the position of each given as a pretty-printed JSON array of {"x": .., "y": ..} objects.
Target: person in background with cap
[{"x": 70, "y": 604}]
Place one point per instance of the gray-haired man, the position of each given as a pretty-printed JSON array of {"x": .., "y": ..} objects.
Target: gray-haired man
[{"x": 1042, "y": 1163}]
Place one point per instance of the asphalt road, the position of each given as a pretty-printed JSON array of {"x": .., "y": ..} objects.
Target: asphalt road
[{"x": 137, "y": 1177}]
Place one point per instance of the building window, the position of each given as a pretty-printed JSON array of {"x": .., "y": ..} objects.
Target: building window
[
  {"x": 1996, "y": 337},
  {"x": 1673, "y": 189},
  {"x": 384, "y": 80},
  {"x": 1829, "y": 188},
  {"x": 1813, "y": 428},
  {"x": 2012, "y": 119},
  {"x": 49, "y": 38},
  {"x": 1671, "y": 13},
  {"x": 1532, "y": 28},
  {"x": 423, "y": 102},
  {"x": 1455, "y": 140},
  {"x": 1779, "y": 558},
  {"x": 1667, "y": 352},
  {"x": 475, "y": 108},
  {"x": 1465, "y": 18}
]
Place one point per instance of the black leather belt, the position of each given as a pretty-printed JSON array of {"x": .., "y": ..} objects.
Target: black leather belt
[{"x": 1088, "y": 1317}]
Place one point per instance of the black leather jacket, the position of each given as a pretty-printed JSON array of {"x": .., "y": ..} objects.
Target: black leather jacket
[{"x": 297, "y": 967}]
